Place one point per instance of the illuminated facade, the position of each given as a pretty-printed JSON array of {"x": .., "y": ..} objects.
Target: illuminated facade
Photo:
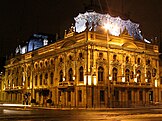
[{"x": 90, "y": 67}]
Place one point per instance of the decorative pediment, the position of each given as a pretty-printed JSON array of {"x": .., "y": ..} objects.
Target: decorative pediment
[
  {"x": 129, "y": 45},
  {"x": 68, "y": 43}
]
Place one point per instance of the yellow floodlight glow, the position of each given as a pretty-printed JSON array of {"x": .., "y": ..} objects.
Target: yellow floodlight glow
[
  {"x": 156, "y": 83},
  {"x": 114, "y": 29}
]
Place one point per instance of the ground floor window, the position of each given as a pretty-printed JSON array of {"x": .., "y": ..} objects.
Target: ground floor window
[
  {"x": 80, "y": 95},
  {"x": 140, "y": 96},
  {"x": 59, "y": 96},
  {"x": 102, "y": 96},
  {"x": 116, "y": 94},
  {"x": 129, "y": 95},
  {"x": 69, "y": 96}
]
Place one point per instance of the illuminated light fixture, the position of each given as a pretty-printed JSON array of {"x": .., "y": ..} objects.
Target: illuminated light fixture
[
  {"x": 94, "y": 80},
  {"x": 135, "y": 79},
  {"x": 123, "y": 79},
  {"x": 73, "y": 77},
  {"x": 110, "y": 78},
  {"x": 63, "y": 78},
  {"x": 156, "y": 83},
  {"x": 89, "y": 80},
  {"x": 146, "y": 80},
  {"x": 85, "y": 79}
]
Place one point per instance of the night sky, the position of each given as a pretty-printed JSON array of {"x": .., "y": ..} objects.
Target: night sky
[{"x": 19, "y": 19}]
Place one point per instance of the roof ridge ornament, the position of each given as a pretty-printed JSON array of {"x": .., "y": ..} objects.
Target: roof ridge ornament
[{"x": 70, "y": 32}]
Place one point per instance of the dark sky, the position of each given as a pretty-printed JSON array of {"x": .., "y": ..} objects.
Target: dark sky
[{"x": 19, "y": 19}]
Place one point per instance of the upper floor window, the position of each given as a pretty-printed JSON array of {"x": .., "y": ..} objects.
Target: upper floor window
[
  {"x": 51, "y": 78},
  {"x": 70, "y": 57},
  {"x": 127, "y": 59},
  {"x": 153, "y": 72},
  {"x": 114, "y": 74},
  {"x": 46, "y": 79},
  {"x": 100, "y": 73},
  {"x": 127, "y": 74},
  {"x": 81, "y": 76},
  {"x": 100, "y": 55},
  {"x": 40, "y": 77},
  {"x": 36, "y": 80},
  {"x": 131, "y": 74},
  {"x": 148, "y": 76},
  {"x": 114, "y": 57},
  {"x": 138, "y": 61},
  {"x": 80, "y": 55},
  {"x": 61, "y": 60},
  {"x": 46, "y": 63},
  {"x": 52, "y": 61},
  {"x": 70, "y": 74},
  {"x": 61, "y": 76},
  {"x": 148, "y": 62},
  {"x": 138, "y": 76},
  {"x": 28, "y": 81}
]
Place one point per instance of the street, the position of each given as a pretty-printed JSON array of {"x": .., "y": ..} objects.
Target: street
[{"x": 30, "y": 114}]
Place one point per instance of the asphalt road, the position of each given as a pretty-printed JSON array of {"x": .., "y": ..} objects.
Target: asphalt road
[{"x": 20, "y": 114}]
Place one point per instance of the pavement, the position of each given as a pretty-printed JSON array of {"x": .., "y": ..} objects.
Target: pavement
[{"x": 29, "y": 107}]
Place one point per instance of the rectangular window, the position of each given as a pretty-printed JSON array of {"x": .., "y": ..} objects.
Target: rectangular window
[
  {"x": 116, "y": 94},
  {"x": 28, "y": 81},
  {"x": 50, "y": 94},
  {"x": 129, "y": 95},
  {"x": 59, "y": 96},
  {"x": 102, "y": 96},
  {"x": 140, "y": 96},
  {"x": 80, "y": 95},
  {"x": 69, "y": 96},
  {"x": 36, "y": 80},
  {"x": 40, "y": 79}
]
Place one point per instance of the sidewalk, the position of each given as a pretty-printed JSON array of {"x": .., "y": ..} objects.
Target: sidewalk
[{"x": 29, "y": 107}]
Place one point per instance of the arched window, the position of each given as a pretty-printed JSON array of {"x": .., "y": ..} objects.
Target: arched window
[
  {"x": 51, "y": 78},
  {"x": 127, "y": 59},
  {"x": 81, "y": 76},
  {"x": 70, "y": 74},
  {"x": 138, "y": 76},
  {"x": 127, "y": 73},
  {"x": 114, "y": 74},
  {"x": 100, "y": 73},
  {"x": 61, "y": 76},
  {"x": 28, "y": 81},
  {"x": 149, "y": 76},
  {"x": 36, "y": 80},
  {"x": 114, "y": 57},
  {"x": 46, "y": 79},
  {"x": 40, "y": 77},
  {"x": 138, "y": 61}
]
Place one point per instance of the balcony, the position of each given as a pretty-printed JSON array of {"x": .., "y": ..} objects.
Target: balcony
[
  {"x": 131, "y": 84},
  {"x": 15, "y": 88},
  {"x": 66, "y": 85}
]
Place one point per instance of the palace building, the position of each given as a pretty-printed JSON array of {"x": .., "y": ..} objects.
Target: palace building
[{"x": 102, "y": 61}]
